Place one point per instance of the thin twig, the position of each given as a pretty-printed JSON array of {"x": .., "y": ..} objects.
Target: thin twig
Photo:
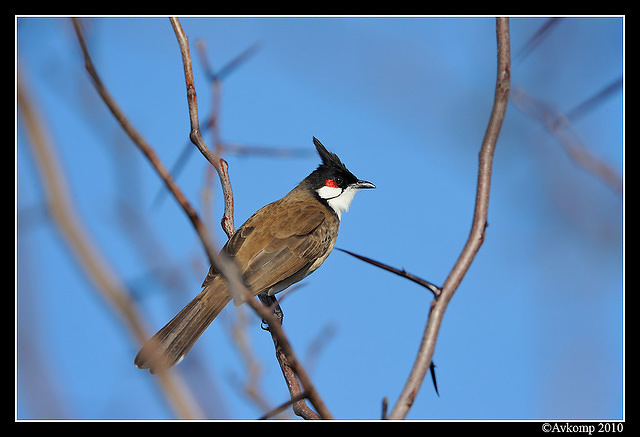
[
  {"x": 400, "y": 272},
  {"x": 476, "y": 237},
  {"x": 195, "y": 135},
  {"x": 279, "y": 409}
]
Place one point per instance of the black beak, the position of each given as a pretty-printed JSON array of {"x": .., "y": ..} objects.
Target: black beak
[{"x": 363, "y": 184}]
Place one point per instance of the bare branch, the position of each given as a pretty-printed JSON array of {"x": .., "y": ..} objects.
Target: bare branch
[
  {"x": 438, "y": 306},
  {"x": 196, "y": 137}
]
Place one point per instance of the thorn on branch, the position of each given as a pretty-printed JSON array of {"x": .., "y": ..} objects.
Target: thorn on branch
[
  {"x": 432, "y": 369},
  {"x": 402, "y": 272}
]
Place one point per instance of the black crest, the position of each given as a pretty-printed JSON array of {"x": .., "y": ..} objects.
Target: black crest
[{"x": 331, "y": 159}]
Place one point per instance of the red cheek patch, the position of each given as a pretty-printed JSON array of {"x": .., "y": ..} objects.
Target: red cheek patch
[{"x": 330, "y": 183}]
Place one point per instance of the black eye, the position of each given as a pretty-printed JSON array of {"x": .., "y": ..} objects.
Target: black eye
[{"x": 338, "y": 180}]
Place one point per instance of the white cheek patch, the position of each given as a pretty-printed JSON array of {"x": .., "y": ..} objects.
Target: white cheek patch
[
  {"x": 327, "y": 192},
  {"x": 338, "y": 199}
]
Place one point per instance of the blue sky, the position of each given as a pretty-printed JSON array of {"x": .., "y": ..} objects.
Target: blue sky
[{"x": 535, "y": 330}]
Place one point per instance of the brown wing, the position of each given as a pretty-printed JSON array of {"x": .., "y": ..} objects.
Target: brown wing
[{"x": 282, "y": 243}]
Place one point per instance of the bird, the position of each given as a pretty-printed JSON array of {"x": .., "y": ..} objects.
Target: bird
[{"x": 278, "y": 246}]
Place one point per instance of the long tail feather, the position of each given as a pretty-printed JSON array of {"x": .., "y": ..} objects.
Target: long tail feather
[{"x": 171, "y": 343}]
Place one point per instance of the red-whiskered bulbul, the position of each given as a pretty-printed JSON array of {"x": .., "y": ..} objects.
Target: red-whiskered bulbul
[{"x": 279, "y": 245}]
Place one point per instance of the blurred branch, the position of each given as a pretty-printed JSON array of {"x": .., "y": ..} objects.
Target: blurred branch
[
  {"x": 66, "y": 220},
  {"x": 231, "y": 65},
  {"x": 595, "y": 100},
  {"x": 476, "y": 236},
  {"x": 537, "y": 38},
  {"x": 253, "y": 374},
  {"x": 560, "y": 126},
  {"x": 233, "y": 148},
  {"x": 218, "y": 145}
]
